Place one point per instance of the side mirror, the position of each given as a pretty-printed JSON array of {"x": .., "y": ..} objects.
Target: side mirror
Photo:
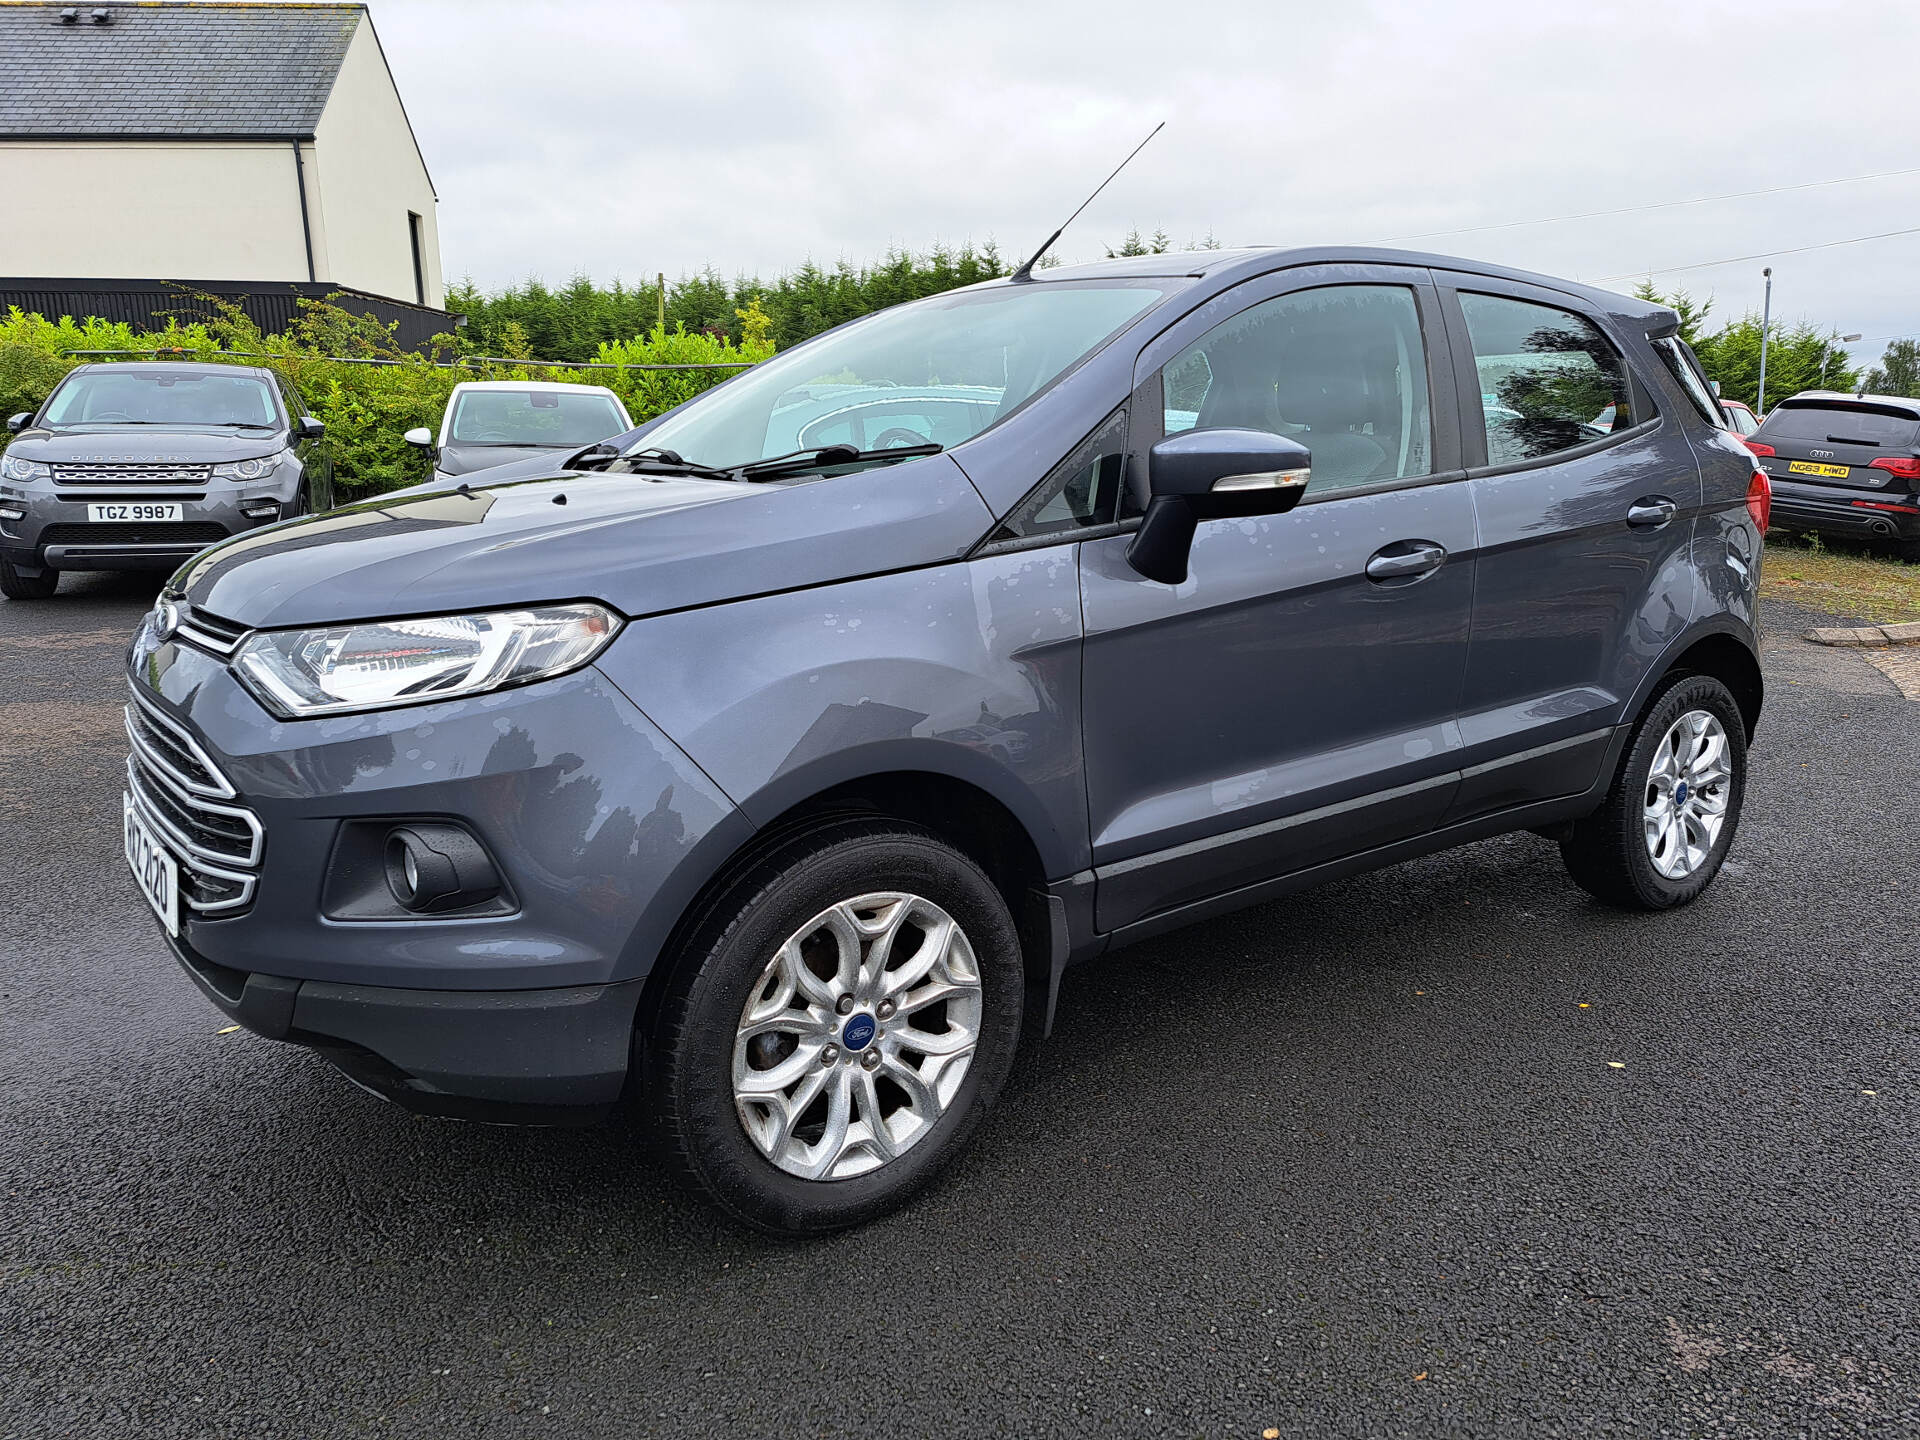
[
  {"x": 420, "y": 437},
  {"x": 309, "y": 428},
  {"x": 1716, "y": 388},
  {"x": 1211, "y": 475},
  {"x": 17, "y": 423}
]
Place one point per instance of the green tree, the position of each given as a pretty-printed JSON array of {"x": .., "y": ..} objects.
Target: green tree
[
  {"x": 1134, "y": 245},
  {"x": 1898, "y": 372},
  {"x": 1799, "y": 357}
]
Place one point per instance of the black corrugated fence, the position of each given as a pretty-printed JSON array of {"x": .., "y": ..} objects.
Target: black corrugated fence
[{"x": 146, "y": 304}]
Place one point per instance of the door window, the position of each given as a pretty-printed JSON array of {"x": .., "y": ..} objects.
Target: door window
[
  {"x": 1549, "y": 380},
  {"x": 1339, "y": 369}
]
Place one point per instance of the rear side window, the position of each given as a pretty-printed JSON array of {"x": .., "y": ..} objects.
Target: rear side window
[
  {"x": 1339, "y": 369},
  {"x": 1680, "y": 362},
  {"x": 1840, "y": 425},
  {"x": 1549, "y": 380}
]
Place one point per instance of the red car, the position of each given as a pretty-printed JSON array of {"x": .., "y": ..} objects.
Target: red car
[{"x": 1740, "y": 417}]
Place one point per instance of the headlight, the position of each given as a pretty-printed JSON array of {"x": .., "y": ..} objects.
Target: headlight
[
  {"x": 250, "y": 469},
  {"x": 379, "y": 663},
  {"x": 14, "y": 468}
]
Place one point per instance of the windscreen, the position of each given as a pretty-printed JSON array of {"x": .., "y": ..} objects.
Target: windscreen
[
  {"x": 148, "y": 397},
  {"x": 555, "y": 418},
  {"x": 1839, "y": 425},
  {"x": 938, "y": 371}
]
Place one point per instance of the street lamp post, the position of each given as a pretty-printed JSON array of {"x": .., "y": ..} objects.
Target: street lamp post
[
  {"x": 1844, "y": 340},
  {"x": 1766, "y": 318}
]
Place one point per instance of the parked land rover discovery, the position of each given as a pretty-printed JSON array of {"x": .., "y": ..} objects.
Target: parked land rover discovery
[
  {"x": 135, "y": 466},
  {"x": 775, "y": 788}
]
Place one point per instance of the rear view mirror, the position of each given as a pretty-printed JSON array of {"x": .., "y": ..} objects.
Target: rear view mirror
[
  {"x": 1211, "y": 475},
  {"x": 420, "y": 437},
  {"x": 17, "y": 423}
]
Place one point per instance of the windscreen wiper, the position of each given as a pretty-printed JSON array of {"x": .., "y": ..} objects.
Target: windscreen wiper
[
  {"x": 825, "y": 456},
  {"x": 663, "y": 462}
]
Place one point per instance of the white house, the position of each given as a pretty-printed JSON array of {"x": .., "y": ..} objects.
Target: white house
[{"x": 219, "y": 144}]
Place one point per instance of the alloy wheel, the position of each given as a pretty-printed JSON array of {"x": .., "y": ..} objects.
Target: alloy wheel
[
  {"x": 857, "y": 1036},
  {"x": 1688, "y": 787}
]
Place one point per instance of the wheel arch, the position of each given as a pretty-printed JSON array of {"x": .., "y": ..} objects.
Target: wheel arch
[
  {"x": 976, "y": 820},
  {"x": 1722, "y": 651}
]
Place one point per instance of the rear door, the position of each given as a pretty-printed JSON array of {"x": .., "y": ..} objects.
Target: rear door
[
  {"x": 1283, "y": 706},
  {"x": 1586, "y": 499}
]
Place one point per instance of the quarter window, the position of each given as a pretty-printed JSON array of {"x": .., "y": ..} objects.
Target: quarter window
[
  {"x": 1339, "y": 369},
  {"x": 1087, "y": 488},
  {"x": 1685, "y": 368},
  {"x": 1549, "y": 380}
]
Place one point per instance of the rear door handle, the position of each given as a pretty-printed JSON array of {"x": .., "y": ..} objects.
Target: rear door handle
[
  {"x": 1651, "y": 513},
  {"x": 1406, "y": 560}
]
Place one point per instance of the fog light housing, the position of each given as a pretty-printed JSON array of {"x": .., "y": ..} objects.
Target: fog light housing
[
  {"x": 435, "y": 869},
  {"x": 8, "y": 512},
  {"x": 260, "y": 509}
]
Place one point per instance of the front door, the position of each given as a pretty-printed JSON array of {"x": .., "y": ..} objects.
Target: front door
[{"x": 1294, "y": 699}]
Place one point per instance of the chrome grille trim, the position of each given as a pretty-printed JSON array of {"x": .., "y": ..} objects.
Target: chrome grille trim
[
  {"x": 143, "y": 784},
  {"x": 170, "y": 777},
  {"x": 165, "y": 750},
  {"x": 210, "y": 633},
  {"x": 124, "y": 473}
]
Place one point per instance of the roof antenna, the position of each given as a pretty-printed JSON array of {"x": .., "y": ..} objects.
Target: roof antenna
[{"x": 1025, "y": 272}]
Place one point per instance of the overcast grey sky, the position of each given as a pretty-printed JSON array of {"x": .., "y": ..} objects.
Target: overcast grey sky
[{"x": 622, "y": 139}]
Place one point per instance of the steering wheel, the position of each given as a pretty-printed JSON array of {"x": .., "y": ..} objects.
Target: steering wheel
[{"x": 898, "y": 436}]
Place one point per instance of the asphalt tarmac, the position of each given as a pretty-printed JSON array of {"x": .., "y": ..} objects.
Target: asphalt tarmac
[{"x": 1443, "y": 1150}]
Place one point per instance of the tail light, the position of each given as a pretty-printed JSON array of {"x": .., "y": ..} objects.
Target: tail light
[
  {"x": 1759, "y": 447},
  {"x": 1907, "y": 467},
  {"x": 1760, "y": 499}
]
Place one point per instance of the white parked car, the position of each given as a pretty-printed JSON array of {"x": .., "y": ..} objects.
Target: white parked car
[{"x": 495, "y": 422}]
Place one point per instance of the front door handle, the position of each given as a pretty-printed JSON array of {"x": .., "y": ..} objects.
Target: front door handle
[
  {"x": 1651, "y": 513},
  {"x": 1406, "y": 560}
]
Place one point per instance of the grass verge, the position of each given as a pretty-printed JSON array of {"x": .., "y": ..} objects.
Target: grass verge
[{"x": 1850, "y": 581}]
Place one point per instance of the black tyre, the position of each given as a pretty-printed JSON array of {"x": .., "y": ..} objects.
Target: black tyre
[
  {"x": 1674, "y": 805},
  {"x": 16, "y": 586},
  {"x": 842, "y": 1017}
]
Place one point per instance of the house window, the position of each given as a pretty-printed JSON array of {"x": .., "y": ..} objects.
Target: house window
[{"x": 416, "y": 232}]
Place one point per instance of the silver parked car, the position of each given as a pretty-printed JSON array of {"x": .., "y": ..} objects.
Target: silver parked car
[{"x": 139, "y": 466}]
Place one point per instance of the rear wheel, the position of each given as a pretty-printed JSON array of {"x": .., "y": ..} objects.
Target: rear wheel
[
  {"x": 1671, "y": 814},
  {"x": 842, "y": 1021},
  {"x": 16, "y": 586}
]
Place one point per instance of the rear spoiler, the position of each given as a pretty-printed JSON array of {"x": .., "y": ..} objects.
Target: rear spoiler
[{"x": 1662, "y": 324}]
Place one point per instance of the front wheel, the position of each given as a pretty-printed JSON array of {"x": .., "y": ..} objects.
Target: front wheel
[
  {"x": 839, "y": 1025},
  {"x": 1671, "y": 813},
  {"x": 16, "y": 586}
]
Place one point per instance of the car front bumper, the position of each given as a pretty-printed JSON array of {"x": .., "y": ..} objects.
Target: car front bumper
[
  {"x": 57, "y": 532},
  {"x": 601, "y": 828},
  {"x": 553, "y": 1056}
]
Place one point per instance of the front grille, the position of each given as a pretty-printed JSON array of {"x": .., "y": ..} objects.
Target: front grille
[
  {"x": 122, "y": 473},
  {"x": 210, "y": 632},
  {"x": 191, "y": 532},
  {"x": 219, "y": 844}
]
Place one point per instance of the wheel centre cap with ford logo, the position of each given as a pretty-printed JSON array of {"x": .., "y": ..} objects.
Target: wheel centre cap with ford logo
[
  {"x": 1680, "y": 793},
  {"x": 858, "y": 1033}
]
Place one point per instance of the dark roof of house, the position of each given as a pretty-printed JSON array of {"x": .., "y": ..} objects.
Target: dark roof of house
[{"x": 196, "y": 69}]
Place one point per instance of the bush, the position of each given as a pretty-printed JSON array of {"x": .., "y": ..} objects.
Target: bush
[{"x": 367, "y": 407}]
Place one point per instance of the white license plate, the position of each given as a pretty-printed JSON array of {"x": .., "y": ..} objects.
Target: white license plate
[
  {"x": 133, "y": 510},
  {"x": 156, "y": 871}
]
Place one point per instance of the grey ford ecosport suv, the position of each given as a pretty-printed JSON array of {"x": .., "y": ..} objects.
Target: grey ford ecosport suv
[
  {"x": 137, "y": 465},
  {"x": 777, "y": 789}
]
